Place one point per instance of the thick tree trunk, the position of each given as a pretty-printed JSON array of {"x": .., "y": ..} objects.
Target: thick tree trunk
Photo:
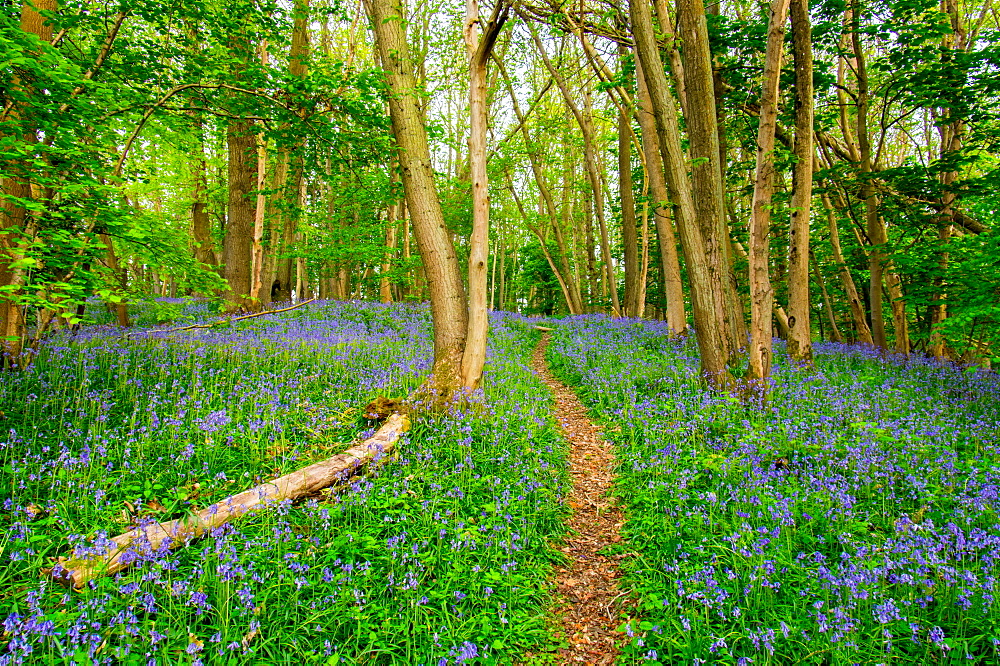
[
  {"x": 799, "y": 328},
  {"x": 237, "y": 248},
  {"x": 709, "y": 329},
  {"x": 17, "y": 225},
  {"x": 761, "y": 292},
  {"x": 447, "y": 293},
  {"x": 706, "y": 171},
  {"x": 669, "y": 261}
]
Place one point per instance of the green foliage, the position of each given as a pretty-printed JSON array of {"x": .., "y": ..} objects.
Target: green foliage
[{"x": 444, "y": 550}]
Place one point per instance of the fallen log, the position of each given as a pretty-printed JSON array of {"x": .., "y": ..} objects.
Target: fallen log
[
  {"x": 543, "y": 329},
  {"x": 124, "y": 549},
  {"x": 220, "y": 322}
]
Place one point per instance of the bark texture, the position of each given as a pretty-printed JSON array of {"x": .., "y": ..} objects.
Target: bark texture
[
  {"x": 799, "y": 328},
  {"x": 761, "y": 292},
  {"x": 444, "y": 279},
  {"x": 670, "y": 266},
  {"x": 237, "y": 246},
  {"x": 478, "y": 50},
  {"x": 126, "y": 548},
  {"x": 708, "y": 328}
]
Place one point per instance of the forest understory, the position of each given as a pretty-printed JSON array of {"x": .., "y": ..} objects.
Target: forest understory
[{"x": 852, "y": 518}]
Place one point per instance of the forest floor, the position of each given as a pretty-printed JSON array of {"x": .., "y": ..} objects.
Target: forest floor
[{"x": 589, "y": 602}]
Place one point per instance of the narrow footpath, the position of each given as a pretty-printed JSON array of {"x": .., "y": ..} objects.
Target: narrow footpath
[{"x": 589, "y": 602}]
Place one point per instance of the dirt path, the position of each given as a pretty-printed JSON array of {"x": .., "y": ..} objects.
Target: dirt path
[{"x": 589, "y": 602}]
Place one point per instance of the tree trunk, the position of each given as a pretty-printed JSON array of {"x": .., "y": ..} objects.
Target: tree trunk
[
  {"x": 708, "y": 328},
  {"x": 478, "y": 50},
  {"x": 864, "y": 333},
  {"x": 560, "y": 277},
  {"x": 876, "y": 227},
  {"x": 706, "y": 171},
  {"x": 827, "y": 305},
  {"x": 447, "y": 293},
  {"x": 17, "y": 225},
  {"x": 201, "y": 223},
  {"x": 385, "y": 287},
  {"x": 669, "y": 261},
  {"x": 237, "y": 248},
  {"x": 761, "y": 292},
  {"x": 258, "y": 273},
  {"x": 570, "y": 291},
  {"x": 590, "y": 161},
  {"x": 287, "y": 183},
  {"x": 799, "y": 328},
  {"x": 634, "y": 295}
]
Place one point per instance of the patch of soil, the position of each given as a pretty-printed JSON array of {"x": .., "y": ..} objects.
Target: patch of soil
[{"x": 589, "y": 602}]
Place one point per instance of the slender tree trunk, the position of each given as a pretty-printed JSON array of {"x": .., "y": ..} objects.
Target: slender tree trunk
[
  {"x": 761, "y": 292},
  {"x": 951, "y": 142},
  {"x": 590, "y": 161},
  {"x": 633, "y": 294},
  {"x": 571, "y": 292},
  {"x": 201, "y": 223},
  {"x": 478, "y": 50},
  {"x": 669, "y": 261},
  {"x": 876, "y": 227},
  {"x": 258, "y": 272},
  {"x": 385, "y": 286},
  {"x": 502, "y": 305},
  {"x": 799, "y": 329},
  {"x": 708, "y": 328},
  {"x": 448, "y": 302},
  {"x": 121, "y": 276},
  {"x": 560, "y": 276},
  {"x": 857, "y": 306},
  {"x": 827, "y": 304}
]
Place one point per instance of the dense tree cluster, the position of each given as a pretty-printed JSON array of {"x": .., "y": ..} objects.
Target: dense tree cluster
[{"x": 820, "y": 169}]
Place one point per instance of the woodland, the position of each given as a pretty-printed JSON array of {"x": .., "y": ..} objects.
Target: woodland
[{"x": 753, "y": 243}]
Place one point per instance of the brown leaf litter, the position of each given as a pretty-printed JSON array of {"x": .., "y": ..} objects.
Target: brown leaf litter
[{"x": 588, "y": 600}]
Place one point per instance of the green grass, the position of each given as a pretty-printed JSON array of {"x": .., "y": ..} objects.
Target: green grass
[{"x": 443, "y": 553}]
